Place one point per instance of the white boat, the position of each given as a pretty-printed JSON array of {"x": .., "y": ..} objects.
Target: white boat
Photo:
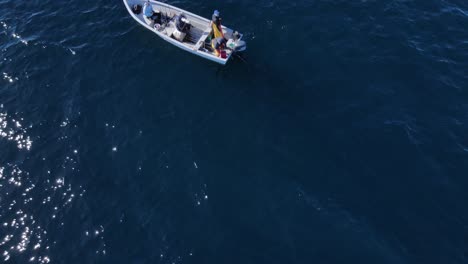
[{"x": 195, "y": 39}]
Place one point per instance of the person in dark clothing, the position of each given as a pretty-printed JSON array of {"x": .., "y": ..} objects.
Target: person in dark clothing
[
  {"x": 218, "y": 44},
  {"x": 157, "y": 17},
  {"x": 215, "y": 18},
  {"x": 150, "y": 15},
  {"x": 216, "y": 25}
]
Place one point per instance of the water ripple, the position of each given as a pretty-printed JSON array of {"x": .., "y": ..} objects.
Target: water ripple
[{"x": 33, "y": 205}]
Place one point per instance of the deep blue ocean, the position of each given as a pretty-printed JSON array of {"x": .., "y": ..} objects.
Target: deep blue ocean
[{"x": 341, "y": 136}]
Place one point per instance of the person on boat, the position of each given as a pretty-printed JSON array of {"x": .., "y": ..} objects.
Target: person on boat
[
  {"x": 216, "y": 25},
  {"x": 150, "y": 15},
  {"x": 157, "y": 16},
  {"x": 218, "y": 44}
]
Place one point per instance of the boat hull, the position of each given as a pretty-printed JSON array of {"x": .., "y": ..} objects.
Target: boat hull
[{"x": 200, "y": 31}]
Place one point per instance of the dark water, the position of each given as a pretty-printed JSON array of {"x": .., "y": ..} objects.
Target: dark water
[{"x": 341, "y": 139}]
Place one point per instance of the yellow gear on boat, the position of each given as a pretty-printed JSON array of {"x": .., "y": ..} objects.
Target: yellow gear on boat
[
  {"x": 215, "y": 50},
  {"x": 217, "y": 33}
]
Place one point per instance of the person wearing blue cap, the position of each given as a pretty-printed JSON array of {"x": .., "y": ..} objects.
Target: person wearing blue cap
[
  {"x": 216, "y": 25},
  {"x": 150, "y": 16},
  {"x": 148, "y": 13}
]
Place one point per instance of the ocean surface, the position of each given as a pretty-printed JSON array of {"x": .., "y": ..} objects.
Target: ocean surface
[{"x": 340, "y": 136}]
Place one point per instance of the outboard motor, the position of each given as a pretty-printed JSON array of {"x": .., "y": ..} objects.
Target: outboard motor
[
  {"x": 236, "y": 44},
  {"x": 182, "y": 27},
  {"x": 240, "y": 46}
]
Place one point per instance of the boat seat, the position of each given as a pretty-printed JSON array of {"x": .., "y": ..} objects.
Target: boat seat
[
  {"x": 201, "y": 40},
  {"x": 169, "y": 29}
]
